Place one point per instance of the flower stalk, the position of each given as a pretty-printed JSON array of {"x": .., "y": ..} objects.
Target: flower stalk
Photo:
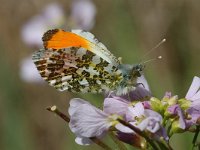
[
  {"x": 136, "y": 130},
  {"x": 195, "y": 137},
  {"x": 97, "y": 141},
  {"x": 117, "y": 142}
]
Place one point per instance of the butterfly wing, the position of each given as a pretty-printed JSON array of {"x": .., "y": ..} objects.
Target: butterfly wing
[
  {"x": 58, "y": 39},
  {"x": 75, "y": 65}
]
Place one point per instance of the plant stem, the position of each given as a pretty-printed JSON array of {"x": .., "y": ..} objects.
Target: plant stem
[
  {"x": 100, "y": 143},
  {"x": 58, "y": 113},
  {"x": 97, "y": 141},
  {"x": 164, "y": 145},
  {"x": 139, "y": 132},
  {"x": 195, "y": 136},
  {"x": 117, "y": 142}
]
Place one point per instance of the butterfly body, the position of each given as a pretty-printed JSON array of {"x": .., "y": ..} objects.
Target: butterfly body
[{"x": 77, "y": 62}]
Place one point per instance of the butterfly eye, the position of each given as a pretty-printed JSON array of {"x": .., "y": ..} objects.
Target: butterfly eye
[
  {"x": 139, "y": 67},
  {"x": 126, "y": 76}
]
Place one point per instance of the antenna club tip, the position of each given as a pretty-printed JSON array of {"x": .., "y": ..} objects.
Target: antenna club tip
[
  {"x": 159, "y": 57},
  {"x": 164, "y": 40}
]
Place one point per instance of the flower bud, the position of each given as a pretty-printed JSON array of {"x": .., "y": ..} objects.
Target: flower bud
[
  {"x": 132, "y": 139},
  {"x": 176, "y": 127},
  {"x": 155, "y": 104},
  {"x": 184, "y": 103}
]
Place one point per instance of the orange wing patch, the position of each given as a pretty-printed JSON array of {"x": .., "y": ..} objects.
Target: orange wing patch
[{"x": 58, "y": 39}]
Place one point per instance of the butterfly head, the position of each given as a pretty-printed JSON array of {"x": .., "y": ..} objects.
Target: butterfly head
[
  {"x": 130, "y": 74},
  {"x": 137, "y": 70}
]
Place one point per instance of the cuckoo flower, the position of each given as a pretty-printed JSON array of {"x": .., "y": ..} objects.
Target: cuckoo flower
[
  {"x": 28, "y": 71},
  {"x": 121, "y": 104},
  {"x": 136, "y": 113},
  {"x": 83, "y": 14},
  {"x": 132, "y": 139},
  {"x": 178, "y": 122},
  {"x": 88, "y": 121},
  {"x": 193, "y": 96},
  {"x": 52, "y": 16},
  {"x": 171, "y": 111},
  {"x": 144, "y": 119}
]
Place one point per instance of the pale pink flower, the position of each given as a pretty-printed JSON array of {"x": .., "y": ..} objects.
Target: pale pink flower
[
  {"x": 28, "y": 71},
  {"x": 88, "y": 121},
  {"x": 83, "y": 14},
  {"x": 175, "y": 110},
  {"x": 120, "y": 104},
  {"x": 146, "y": 119},
  {"x": 52, "y": 16},
  {"x": 193, "y": 95}
]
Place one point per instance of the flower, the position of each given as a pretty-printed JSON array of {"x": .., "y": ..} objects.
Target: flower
[
  {"x": 178, "y": 119},
  {"x": 82, "y": 16},
  {"x": 51, "y": 17},
  {"x": 83, "y": 13},
  {"x": 193, "y": 93},
  {"x": 193, "y": 96},
  {"x": 136, "y": 113},
  {"x": 88, "y": 121},
  {"x": 132, "y": 139},
  {"x": 83, "y": 140},
  {"x": 144, "y": 119},
  {"x": 120, "y": 104},
  {"x": 28, "y": 71}
]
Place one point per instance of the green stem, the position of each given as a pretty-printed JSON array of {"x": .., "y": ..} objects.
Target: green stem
[
  {"x": 165, "y": 145},
  {"x": 139, "y": 132},
  {"x": 117, "y": 142},
  {"x": 100, "y": 143},
  {"x": 58, "y": 113},
  {"x": 97, "y": 141},
  {"x": 195, "y": 136}
]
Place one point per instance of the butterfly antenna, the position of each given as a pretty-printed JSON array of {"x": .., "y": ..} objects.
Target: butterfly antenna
[
  {"x": 153, "y": 59},
  {"x": 154, "y": 48}
]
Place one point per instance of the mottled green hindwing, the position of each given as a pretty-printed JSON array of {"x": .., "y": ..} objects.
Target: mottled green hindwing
[{"x": 77, "y": 70}]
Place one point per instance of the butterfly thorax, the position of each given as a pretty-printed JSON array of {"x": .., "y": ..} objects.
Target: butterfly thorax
[{"x": 130, "y": 74}]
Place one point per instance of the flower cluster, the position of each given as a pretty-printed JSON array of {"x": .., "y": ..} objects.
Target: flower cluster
[{"x": 137, "y": 118}]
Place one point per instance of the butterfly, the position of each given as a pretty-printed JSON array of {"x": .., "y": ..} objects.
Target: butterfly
[{"x": 76, "y": 61}]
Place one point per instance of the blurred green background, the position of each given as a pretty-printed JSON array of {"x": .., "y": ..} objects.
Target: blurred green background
[{"x": 129, "y": 28}]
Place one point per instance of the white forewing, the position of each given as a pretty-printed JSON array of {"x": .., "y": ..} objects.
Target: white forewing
[{"x": 97, "y": 47}]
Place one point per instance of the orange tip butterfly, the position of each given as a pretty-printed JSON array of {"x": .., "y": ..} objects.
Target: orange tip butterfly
[{"x": 76, "y": 61}]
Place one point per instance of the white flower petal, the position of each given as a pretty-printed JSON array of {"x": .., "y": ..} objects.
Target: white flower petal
[
  {"x": 143, "y": 125},
  {"x": 136, "y": 110},
  {"x": 28, "y": 71},
  {"x": 123, "y": 128},
  {"x": 143, "y": 80},
  {"x": 155, "y": 128},
  {"x": 83, "y": 14},
  {"x": 83, "y": 141},
  {"x": 151, "y": 113},
  {"x": 51, "y": 17},
  {"x": 53, "y": 14},
  {"x": 196, "y": 96},
  {"x": 74, "y": 104},
  {"x": 151, "y": 124},
  {"x": 193, "y": 88},
  {"x": 33, "y": 30},
  {"x": 115, "y": 106},
  {"x": 88, "y": 121}
]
